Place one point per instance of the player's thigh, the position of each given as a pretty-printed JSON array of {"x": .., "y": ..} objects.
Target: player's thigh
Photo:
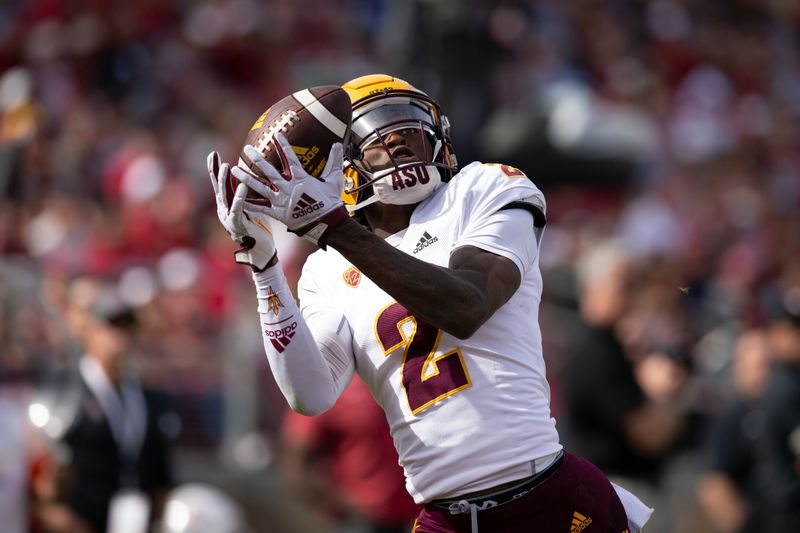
[{"x": 590, "y": 499}]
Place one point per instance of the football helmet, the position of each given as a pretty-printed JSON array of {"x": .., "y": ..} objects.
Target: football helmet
[{"x": 381, "y": 105}]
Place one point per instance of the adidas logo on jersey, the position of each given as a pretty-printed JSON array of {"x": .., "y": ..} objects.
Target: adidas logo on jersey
[
  {"x": 280, "y": 338},
  {"x": 306, "y": 205},
  {"x": 579, "y": 522},
  {"x": 425, "y": 241}
]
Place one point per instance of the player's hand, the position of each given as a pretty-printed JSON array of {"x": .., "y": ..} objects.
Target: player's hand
[
  {"x": 308, "y": 206},
  {"x": 248, "y": 230}
]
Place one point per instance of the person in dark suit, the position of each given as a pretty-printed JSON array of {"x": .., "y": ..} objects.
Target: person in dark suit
[
  {"x": 780, "y": 500},
  {"x": 115, "y": 442}
]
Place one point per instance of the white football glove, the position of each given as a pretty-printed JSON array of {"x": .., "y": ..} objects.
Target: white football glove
[
  {"x": 308, "y": 206},
  {"x": 248, "y": 230}
]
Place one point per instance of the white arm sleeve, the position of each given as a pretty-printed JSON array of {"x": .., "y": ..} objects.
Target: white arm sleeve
[{"x": 311, "y": 358}]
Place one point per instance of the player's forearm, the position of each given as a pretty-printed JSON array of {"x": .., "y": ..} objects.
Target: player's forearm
[
  {"x": 300, "y": 370},
  {"x": 446, "y": 299}
]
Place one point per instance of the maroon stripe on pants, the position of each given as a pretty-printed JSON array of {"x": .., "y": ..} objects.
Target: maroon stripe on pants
[{"x": 577, "y": 497}]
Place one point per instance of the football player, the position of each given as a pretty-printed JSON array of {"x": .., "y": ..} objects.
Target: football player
[{"x": 431, "y": 293}]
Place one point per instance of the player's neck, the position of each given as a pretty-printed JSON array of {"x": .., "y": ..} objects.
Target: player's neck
[{"x": 386, "y": 219}]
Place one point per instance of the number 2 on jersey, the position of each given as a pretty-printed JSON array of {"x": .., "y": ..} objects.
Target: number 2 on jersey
[{"x": 427, "y": 377}]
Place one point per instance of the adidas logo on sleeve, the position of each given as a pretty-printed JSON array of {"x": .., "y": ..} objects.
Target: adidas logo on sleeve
[
  {"x": 306, "y": 205},
  {"x": 425, "y": 241},
  {"x": 281, "y": 337}
]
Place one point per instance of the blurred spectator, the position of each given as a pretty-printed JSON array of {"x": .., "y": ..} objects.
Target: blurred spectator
[
  {"x": 781, "y": 497},
  {"x": 344, "y": 463},
  {"x": 117, "y": 461},
  {"x": 730, "y": 491},
  {"x": 609, "y": 418},
  {"x": 754, "y": 482},
  {"x": 607, "y": 414},
  {"x": 23, "y": 452},
  {"x": 30, "y": 345}
]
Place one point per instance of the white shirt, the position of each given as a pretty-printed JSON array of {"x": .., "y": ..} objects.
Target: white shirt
[
  {"x": 126, "y": 411},
  {"x": 467, "y": 414}
]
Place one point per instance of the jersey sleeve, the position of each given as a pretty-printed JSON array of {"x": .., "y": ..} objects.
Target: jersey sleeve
[
  {"x": 509, "y": 233},
  {"x": 503, "y": 213},
  {"x": 311, "y": 360},
  {"x": 329, "y": 327}
]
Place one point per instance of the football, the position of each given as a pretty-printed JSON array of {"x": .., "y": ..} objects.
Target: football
[{"x": 312, "y": 120}]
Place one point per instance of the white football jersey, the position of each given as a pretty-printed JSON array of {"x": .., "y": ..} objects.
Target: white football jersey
[{"x": 465, "y": 415}]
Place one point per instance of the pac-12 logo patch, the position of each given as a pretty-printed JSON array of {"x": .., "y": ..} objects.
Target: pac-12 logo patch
[{"x": 352, "y": 277}]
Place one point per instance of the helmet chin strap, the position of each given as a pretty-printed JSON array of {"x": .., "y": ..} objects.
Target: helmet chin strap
[
  {"x": 374, "y": 198},
  {"x": 355, "y": 207}
]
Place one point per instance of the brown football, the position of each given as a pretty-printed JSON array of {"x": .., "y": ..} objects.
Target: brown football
[{"x": 312, "y": 120}]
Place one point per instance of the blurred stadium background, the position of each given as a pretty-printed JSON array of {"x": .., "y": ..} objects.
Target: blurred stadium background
[{"x": 667, "y": 131}]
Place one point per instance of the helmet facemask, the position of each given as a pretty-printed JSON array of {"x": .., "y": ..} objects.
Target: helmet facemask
[{"x": 374, "y": 120}]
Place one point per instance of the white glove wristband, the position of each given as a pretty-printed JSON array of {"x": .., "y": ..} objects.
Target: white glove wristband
[
  {"x": 317, "y": 231},
  {"x": 258, "y": 257}
]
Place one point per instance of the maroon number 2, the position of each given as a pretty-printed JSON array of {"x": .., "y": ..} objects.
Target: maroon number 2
[{"x": 426, "y": 376}]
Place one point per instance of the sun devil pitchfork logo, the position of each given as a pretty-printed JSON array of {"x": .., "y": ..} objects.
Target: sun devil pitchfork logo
[{"x": 274, "y": 303}]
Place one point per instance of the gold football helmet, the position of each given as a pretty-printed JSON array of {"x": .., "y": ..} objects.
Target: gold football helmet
[{"x": 383, "y": 104}]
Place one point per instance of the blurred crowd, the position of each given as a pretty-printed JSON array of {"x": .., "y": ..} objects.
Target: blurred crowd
[{"x": 664, "y": 133}]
